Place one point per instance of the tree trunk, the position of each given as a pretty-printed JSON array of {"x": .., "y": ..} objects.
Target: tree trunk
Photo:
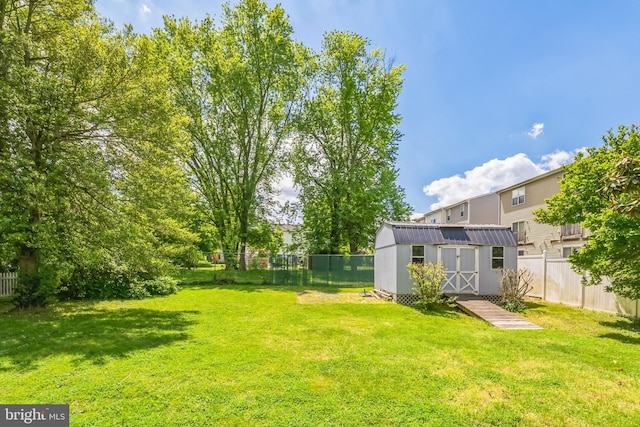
[
  {"x": 243, "y": 257},
  {"x": 28, "y": 260},
  {"x": 244, "y": 231},
  {"x": 334, "y": 236}
]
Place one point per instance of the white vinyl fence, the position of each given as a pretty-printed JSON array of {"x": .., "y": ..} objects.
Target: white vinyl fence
[
  {"x": 7, "y": 282},
  {"x": 555, "y": 281}
]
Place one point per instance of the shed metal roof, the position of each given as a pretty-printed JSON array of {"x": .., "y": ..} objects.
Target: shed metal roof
[{"x": 433, "y": 234}]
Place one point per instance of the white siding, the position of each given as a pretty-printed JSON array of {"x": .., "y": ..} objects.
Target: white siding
[
  {"x": 489, "y": 283},
  {"x": 384, "y": 237},
  {"x": 489, "y": 279},
  {"x": 384, "y": 276},
  {"x": 405, "y": 283}
]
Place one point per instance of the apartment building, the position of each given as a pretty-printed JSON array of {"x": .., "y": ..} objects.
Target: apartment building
[
  {"x": 517, "y": 204},
  {"x": 482, "y": 209},
  {"x": 513, "y": 207}
]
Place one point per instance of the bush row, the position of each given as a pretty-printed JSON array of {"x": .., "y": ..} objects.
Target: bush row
[{"x": 113, "y": 283}]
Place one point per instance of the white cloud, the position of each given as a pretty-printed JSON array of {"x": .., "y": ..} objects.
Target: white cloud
[
  {"x": 144, "y": 10},
  {"x": 536, "y": 130},
  {"x": 558, "y": 158},
  {"x": 493, "y": 175},
  {"x": 287, "y": 190}
]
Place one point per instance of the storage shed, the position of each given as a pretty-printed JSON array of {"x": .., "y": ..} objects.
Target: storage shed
[{"x": 473, "y": 257}]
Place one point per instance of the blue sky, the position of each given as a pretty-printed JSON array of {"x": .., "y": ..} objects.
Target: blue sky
[{"x": 495, "y": 91}]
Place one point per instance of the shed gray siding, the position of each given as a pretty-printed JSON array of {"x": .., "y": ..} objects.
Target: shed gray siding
[
  {"x": 384, "y": 237},
  {"x": 405, "y": 283},
  {"x": 384, "y": 274}
]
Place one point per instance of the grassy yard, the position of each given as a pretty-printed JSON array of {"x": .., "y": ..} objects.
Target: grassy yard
[{"x": 256, "y": 355}]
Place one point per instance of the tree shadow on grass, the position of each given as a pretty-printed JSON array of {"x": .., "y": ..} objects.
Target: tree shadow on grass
[
  {"x": 93, "y": 335},
  {"x": 532, "y": 305},
  {"x": 242, "y": 287},
  {"x": 622, "y": 338},
  {"x": 629, "y": 331}
]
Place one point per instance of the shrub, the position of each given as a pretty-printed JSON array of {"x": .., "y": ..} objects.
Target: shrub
[
  {"x": 190, "y": 258},
  {"x": 162, "y": 285},
  {"x": 514, "y": 286},
  {"x": 113, "y": 282},
  {"x": 427, "y": 279},
  {"x": 30, "y": 292}
]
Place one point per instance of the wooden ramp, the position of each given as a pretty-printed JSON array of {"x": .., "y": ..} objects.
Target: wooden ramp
[{"x": 489, "y": 312}]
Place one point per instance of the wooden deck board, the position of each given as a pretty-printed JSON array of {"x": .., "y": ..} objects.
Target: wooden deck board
[{"x": 497, "y": 316}]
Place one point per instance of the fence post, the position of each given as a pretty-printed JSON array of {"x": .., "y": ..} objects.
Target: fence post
[{"x": 544, "y": 275}]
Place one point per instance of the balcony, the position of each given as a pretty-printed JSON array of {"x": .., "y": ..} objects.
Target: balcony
[
  {"x": 521, "y": 236},
  {"x": 570, "y": 232}
]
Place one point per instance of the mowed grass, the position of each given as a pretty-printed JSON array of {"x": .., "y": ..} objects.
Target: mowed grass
[{"x": 254, "y": 355}]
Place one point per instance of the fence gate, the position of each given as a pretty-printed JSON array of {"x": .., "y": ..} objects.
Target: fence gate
[{"x": 461, "y": 269}]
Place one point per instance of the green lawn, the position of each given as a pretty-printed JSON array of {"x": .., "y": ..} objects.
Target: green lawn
[{"x": 254, "y": 355}]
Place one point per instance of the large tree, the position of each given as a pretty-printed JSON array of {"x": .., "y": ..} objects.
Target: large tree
[
  {"x": 601, "y": 192},
  {"x": 344, "y": 156},
  {"x": 88, "y": 147},
  {"x": 240, "y": 86}
]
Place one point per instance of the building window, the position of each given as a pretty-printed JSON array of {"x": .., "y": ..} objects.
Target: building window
[
  {"x": 448, "y": 214},
  {"x": 462, "y": 210},
  {"x": 517, "y": 196},
  {"x": 497, "y": 257},
  {"x": 569, "y": 250},
  {"x": 519, "y": 231},
  {"x": 417, "y": 254},
  {"x": 433, "y": 219},
  {"x": 521, "y": 252}
]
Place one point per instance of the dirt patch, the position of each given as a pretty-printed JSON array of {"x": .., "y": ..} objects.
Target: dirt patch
[{"x": 315, "y": 297}]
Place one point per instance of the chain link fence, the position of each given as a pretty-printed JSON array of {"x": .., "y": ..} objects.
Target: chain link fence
[
  {"x": 322, "y": 270},
  {"x": 301, "y": 270}
]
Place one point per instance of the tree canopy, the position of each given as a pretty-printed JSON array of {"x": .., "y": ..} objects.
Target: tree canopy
[
  {"x": 241, "y": 86},
  {"x": 346, "y": 146},
  {"x": 601, "y": 192},
  {"x": 119, "y": 150},
  {"x": 89, "y": 144}
]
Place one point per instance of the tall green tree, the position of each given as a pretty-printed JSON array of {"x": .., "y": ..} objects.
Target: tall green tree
[
  {"x": 601, "y": 192},
  {"x": 240, "y": 86},
  {"x": 344, "y": 156},
  {"x": 89, "y": 144}
]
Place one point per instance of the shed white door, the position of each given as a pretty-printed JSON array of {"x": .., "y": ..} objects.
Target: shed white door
[{"x": 461, "y": 269}]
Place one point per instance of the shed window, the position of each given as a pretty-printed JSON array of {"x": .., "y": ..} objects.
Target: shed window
[
  {"x": 497, "y": 257},
  {"x": 517, "y": 197},
  {"x": 417, "y": 254}
]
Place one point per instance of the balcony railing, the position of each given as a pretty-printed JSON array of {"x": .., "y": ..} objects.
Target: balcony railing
[
  {"x": 521, "y": 236},
  {"x": 571, "y": 231}
]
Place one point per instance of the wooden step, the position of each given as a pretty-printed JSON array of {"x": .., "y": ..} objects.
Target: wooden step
[
  {"x": 382, "y": 294},
  {"x": 497, "y": 316}
]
